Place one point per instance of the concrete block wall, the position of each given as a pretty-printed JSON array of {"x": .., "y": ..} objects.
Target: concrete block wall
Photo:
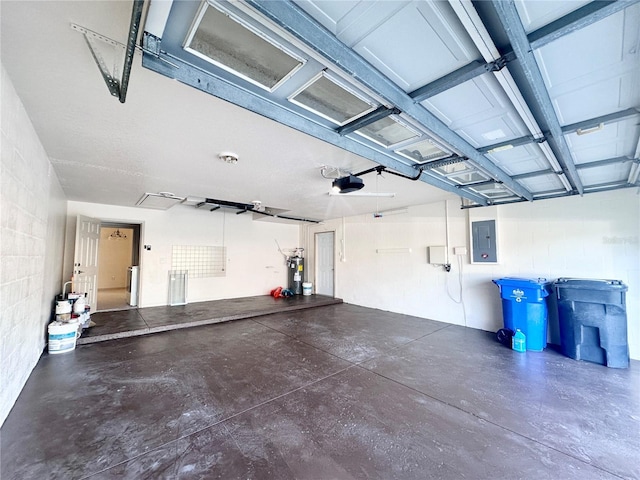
[{"x": 32, "y": 215}]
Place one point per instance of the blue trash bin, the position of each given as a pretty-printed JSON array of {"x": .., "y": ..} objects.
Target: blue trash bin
[
  {"x": 524, "y": 307},
  {"x": 593, "y": 320}
]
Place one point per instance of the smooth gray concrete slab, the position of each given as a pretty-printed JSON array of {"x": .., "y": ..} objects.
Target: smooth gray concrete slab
[
  {"x": 351, "y": 332},
  {"x": 274, "y": 398},
  {"x": 354, "y": 425},
  {"x": 584, "y": 410},
  {"x": 105, "y": 403},
  {"x": 131, "y": 323}
]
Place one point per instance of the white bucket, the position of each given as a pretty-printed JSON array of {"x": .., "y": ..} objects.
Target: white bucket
[
  {"x": 62, "y": 337},
  {"x": 79, "y": 304},
  {"x": 306, "y": 288},
  {"x": 62, "y": 307}
]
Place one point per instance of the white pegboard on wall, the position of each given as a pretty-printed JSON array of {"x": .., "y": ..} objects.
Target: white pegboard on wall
[{"x": 200, "y": 260}]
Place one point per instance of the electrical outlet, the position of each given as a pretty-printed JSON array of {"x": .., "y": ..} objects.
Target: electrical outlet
[{"x": 459, "y": 250}]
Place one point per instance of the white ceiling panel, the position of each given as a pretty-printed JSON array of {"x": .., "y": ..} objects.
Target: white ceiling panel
[
  {"x": 542, "y": 183},
  {"x": 329, "y": 13},
  {"x": 598, "y": 46},
  {"x": 522, "y": 159},
  {"x": 610, "y": 173},
  {"x": 589, "y": 102},
  {"x": 602, "y": 73},
  {"x": 536, "y": 13},
  {"x": 479, "y": 111},
  {"x": 614, "y": 140},
  {"x": 417, "y": 44}
]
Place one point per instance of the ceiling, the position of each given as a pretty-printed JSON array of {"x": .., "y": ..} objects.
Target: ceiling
[{"x": 494, "y": 102}]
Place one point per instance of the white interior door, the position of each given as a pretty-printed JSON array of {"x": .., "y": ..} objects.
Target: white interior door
[
  {"x": 324, "y": 263},
  {"x": 85, "y": 259}
]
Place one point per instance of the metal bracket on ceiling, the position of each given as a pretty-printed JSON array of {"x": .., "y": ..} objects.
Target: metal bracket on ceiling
[
  {"x": 500, "y": 63},
  {"x": 90, "y": 37},
  {"x": 117, "y": 87},
  {"x": 151, "y": 46},
  {"x": 443, "y": 162},
  {"x": 479, "y": 184},
  {"x": 378, "y": 114}
]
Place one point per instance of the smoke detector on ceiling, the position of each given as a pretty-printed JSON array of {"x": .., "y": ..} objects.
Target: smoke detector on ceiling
[{"x": 228, "y": 157}]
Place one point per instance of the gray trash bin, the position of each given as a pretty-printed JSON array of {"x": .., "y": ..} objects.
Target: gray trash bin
[{"x": 593, "y": 320}]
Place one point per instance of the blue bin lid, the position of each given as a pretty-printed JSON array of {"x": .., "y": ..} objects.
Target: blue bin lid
[
  {"x": 590, "y": 284},
  {"x": 540, "y": 283}
]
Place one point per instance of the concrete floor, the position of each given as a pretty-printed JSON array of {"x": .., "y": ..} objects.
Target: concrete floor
[
  {"x": 142, "y": 321},
  {"x": 334, "y": 392}
]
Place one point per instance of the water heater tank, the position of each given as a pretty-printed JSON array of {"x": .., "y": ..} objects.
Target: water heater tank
[{"x": 296, "y": 274}]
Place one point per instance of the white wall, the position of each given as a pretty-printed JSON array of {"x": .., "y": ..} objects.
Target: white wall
[
  {"x": 595, "y": 236},
  {"x": 32, "y": 221},
  {"x": 254, "y": 266}
]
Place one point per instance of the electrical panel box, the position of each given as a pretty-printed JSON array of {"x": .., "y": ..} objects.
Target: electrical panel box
[
  {"x": 459, "y": 250},
  {"x": 437, "y": 255},
  {"x": 483, "y": 236}
]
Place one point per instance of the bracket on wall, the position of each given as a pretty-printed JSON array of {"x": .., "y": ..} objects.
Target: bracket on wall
[{"x": 117, "y": 87}]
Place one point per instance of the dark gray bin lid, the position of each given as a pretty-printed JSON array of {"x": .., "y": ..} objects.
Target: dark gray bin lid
[{"x": 590, "y": 284}]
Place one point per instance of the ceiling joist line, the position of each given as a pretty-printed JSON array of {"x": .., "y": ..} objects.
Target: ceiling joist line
[
  {"x": 527, "y": 91},
  {"x": 221, "y": 88},
  {"x": 291, "y": 18},
  {"x": 583, "y": 17},
  {"x": 580, "y": 128},
  {"x": 512, "y": 24}
]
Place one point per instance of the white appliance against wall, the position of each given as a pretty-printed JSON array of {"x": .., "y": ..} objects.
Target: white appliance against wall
[
  {"x": 85, "y": 259},
  {"x": 178, "y": 287},
  {"x": 325, "y": 263},
  {"x": 133, "y": 273}
]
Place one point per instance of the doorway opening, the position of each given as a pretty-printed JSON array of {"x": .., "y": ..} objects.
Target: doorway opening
[{"x": 118, "y": 264}]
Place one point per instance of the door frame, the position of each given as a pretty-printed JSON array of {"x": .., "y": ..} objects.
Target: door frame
[
  {"x": 317, "y": 257},
  {"x": 136, "y": 227},
  {"x": 136, "y": 256}
]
